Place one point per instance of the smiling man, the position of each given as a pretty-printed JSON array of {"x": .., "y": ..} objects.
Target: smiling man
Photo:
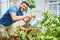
[{"x": 12, "y": 15}]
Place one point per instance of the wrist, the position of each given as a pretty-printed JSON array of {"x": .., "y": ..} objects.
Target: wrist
[
  {"x": 26, "y": 20},
  {"x": 24, "y": 17}
]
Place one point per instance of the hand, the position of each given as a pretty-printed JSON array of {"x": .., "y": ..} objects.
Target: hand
[
  {"x": 26, "y": 20},
  {"x": 22, "y": 28},
  {"x": 33, "y": 15},
  {"x": 28, "y": 16}
]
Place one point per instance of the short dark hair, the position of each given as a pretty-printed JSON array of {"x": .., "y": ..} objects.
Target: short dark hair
[{"x": 25, "y": 3}]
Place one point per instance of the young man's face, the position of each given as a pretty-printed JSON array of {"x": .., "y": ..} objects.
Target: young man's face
[{"x": 23, "y": 7}]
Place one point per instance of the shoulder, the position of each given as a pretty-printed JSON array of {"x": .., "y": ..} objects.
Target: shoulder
[{"x": 13, "y": 8}]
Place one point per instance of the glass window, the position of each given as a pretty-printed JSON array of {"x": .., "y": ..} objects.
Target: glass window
[
  {"x": 59, "y": 12},
  {"x": 58, "y": 0},
  {"x": 52, "y": 6},
  {"x": 10, "y": 0},
  {"x": 59, "y": 6},
  {"x": 50, "y": 1},
  {"x": 0, "y": 8},
  {"x": 18, "y": 0},
  {"x": 10, "y": 3},
  {"x": 59, "y": 9}
]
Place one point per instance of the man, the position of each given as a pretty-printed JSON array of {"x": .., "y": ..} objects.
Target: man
[{"x": 12, "y": 15}]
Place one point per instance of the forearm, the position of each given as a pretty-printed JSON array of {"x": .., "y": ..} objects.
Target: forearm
[
  {"x": 17, "y": 18},
  {"x": 26, "y": 20}
]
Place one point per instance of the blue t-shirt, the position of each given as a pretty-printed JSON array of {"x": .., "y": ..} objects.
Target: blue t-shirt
[{"x": 6, "y": 19}]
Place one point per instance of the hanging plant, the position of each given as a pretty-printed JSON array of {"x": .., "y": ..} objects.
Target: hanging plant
[{"x": 31, "y": 4}]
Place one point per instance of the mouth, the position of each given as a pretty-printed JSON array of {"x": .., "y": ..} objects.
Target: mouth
[{"x": 22, "y": 9}]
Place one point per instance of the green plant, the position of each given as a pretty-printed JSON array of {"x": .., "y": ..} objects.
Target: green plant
[
  {"x": 52, "y": 29},
  {"x": 31, "y": 4},
  {"x": 52, "y": 25},
  {"x": 21, "y": 34},
  {"x": 34, "y": 34}
]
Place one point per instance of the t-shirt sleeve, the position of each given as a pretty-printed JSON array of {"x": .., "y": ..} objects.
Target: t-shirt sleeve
[{"x": 12, "y": 10}]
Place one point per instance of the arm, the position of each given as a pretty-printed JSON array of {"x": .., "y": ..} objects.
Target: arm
[
  {"x": 26, "y": 20},
  {"x": 17, "y": 18}
]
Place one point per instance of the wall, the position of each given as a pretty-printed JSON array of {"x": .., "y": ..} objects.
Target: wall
[{"x": 4, "y": 7}]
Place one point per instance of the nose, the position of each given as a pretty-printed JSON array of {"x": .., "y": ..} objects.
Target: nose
[{"x": 24, "y": 8}]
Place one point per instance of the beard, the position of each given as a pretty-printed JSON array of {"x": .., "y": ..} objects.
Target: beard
[{"x": 22, "y": 9}]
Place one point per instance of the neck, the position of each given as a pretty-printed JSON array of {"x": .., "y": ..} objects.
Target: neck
[{"x": 19, "y": 9}]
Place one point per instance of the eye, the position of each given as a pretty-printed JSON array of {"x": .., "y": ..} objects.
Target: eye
[{"x": 24, "y": 6}]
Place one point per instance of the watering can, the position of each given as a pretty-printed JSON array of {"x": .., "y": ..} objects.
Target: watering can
[{"x": 34, "y": 22}]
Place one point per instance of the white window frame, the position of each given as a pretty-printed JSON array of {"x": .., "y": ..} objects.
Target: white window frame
[{"x": 54, "y": 3}]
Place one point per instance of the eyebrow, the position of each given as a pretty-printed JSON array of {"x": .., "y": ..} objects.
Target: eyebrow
[{"x": 24, "y": 6}]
